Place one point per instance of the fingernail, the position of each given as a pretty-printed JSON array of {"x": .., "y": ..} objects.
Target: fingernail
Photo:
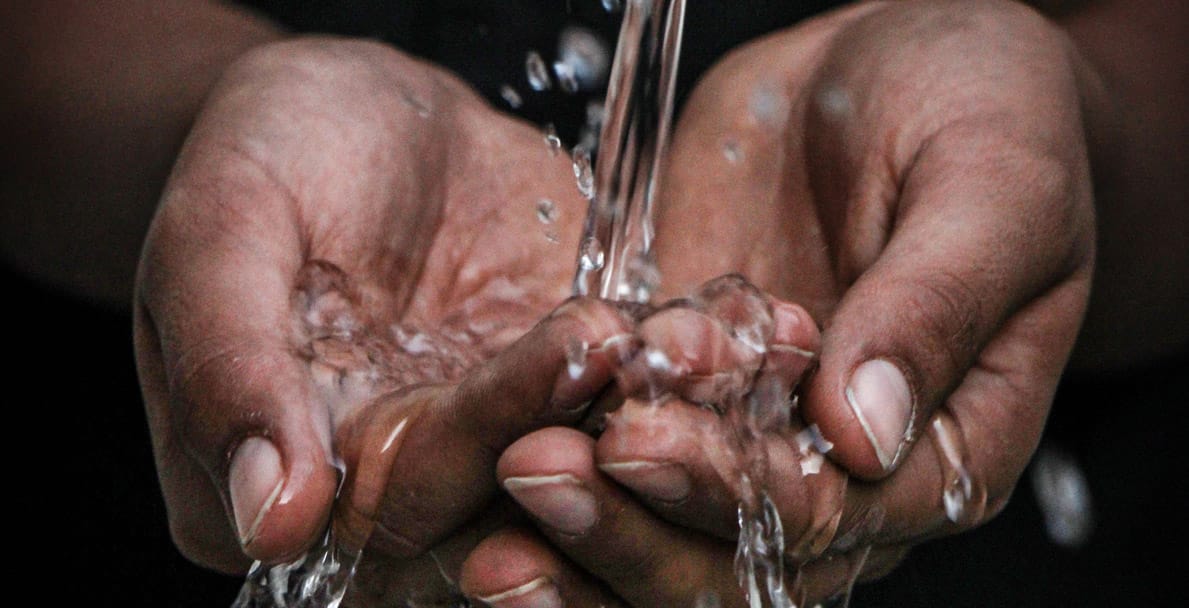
[
  {"x": 587, "y": 370},
  {"x": 663, "y": 481},
  {"x": 881, "y": 400},
  {"x": 256, "y": 480},
  {"x": 559, "y": 501},
  {"x": 537, "y": 593}
]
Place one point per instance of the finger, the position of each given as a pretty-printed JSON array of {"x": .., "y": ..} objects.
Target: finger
[
  {"x": 709, "y": 349},
  {"x": 224, "y": 390},
  {"x": 677, "y": 458},
  {"x": 197, "y": 524},
  {"x": 516, "y": 567},
  {"x": 645, "y": 560},
  {"x": 422, "y": 460},
  {"x": 684, "y": 463},
  {"x": 908, "y": 330},
  {"x": 689, "y": 353},
  {"x": 430, "y": 579}
]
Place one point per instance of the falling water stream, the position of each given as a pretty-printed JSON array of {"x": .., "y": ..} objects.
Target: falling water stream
[{"x": 615, "y": 261}]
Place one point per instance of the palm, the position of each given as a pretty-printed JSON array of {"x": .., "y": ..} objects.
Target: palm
[{"x": 357, "y": 230}]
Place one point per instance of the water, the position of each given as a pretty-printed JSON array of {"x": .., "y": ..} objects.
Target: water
[
  {"x": 537, "y": 73},
  {"x": 634, "y": 140},
  {"x": 1063, "y": 494},
  {"x": 318, "y": 579},
  {"x": 964, "y": 497},
  {"x": 616, "y": 262}
]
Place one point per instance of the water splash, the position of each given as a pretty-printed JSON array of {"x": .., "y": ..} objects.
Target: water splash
[{"x": 318, "y": 579}]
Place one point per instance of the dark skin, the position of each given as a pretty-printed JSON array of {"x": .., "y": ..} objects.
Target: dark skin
[{"x": 260, "y": 195}]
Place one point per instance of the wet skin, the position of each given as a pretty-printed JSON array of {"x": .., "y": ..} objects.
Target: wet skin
[{"x": 328, "y": 179}]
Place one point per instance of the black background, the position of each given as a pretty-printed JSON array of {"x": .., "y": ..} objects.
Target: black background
[{"x": 91, "y": 519}]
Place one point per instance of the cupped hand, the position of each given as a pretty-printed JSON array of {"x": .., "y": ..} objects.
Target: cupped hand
[
  {"x": 915, "y": 175},
  {"x": 345, "y": 262}
]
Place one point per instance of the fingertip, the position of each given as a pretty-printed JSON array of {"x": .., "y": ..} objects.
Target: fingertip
[
  {"x": 279, "y": 505},
  {"x": 545, "y": 452},
  {"x": 794, "y": 326},
  {"x": 866, "y": 411},
  {"x": 508, "y": 563}
]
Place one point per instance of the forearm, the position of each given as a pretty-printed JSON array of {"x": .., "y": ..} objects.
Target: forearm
[
  {"x": 1139, "y": 138},
  {"x": 95, "y": 106}
]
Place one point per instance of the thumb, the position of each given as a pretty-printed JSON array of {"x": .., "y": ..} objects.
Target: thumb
[
  {"x": 978, "y": 232},
  {"x": 235, "y": 417}
]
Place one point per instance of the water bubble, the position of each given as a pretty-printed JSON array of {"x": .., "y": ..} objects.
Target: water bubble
[
  {"x": 1064, "y": 497},
  {"x": 740, "y": 307},
  {"x": 584, "y": 172},
  {"x": 511, "y": 96},
  {"x": 538, "y": 74},
  {"x": 546, "y": 211},
  {"x": 552, "y": 140}
]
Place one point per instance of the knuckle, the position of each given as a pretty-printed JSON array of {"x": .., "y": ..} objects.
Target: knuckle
[
  {"x": 219, "y": 392},
  {"x": 946, "y": 310}
]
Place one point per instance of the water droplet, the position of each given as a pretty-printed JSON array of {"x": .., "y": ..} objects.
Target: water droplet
[
  {"x": 511, "y": 96},
  {"x": 1064, "y": 496},
  {"x": 546, "y": 211},
  {"x": 835, "y": 102},
  {"x": 732, "y": 152},
  {"x": 612, "y": 6},
  {"x": 595, "y": 113},
  {"x": 576, "y": 351},
  {"x": 658, "y": 360},
  {"x": 552, "y": 140},
  {"x": 538, "y": 74},
  {"x": 963, "y": 497},
  {"x": 583, "y": 58},
  {"x": 642, "y": 278},
  {"x": 811, "y": 446},
  {"x": 583, "y": 172},
  {"x": 565, "y": 76},
  {"x": 592, "y": 257}
]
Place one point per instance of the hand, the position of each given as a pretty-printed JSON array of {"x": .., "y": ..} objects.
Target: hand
[
  {"x": 915, "y": 175},
  {"x": 344, "y": 262}
]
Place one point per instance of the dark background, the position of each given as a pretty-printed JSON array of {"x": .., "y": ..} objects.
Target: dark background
[{"x": 90, "y": 516}]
